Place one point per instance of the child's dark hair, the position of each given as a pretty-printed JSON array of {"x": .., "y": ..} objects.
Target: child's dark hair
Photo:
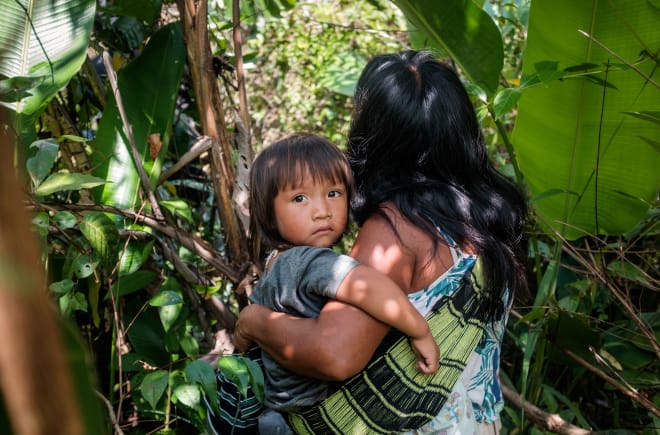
[
  {"x": 415, "y": 141},
  {"x": 285, "y": 164}
]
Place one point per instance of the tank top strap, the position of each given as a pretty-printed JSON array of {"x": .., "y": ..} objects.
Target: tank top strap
[{"x": 448, "y": 282}]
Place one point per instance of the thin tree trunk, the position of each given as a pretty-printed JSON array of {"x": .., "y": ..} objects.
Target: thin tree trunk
[{"x": 194, "y": 21}]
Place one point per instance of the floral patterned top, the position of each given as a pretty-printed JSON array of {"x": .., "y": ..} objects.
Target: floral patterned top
[{"x": 477, "y": 396}]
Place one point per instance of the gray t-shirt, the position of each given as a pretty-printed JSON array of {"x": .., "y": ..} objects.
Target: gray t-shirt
[{"x": 299, "y": 282}]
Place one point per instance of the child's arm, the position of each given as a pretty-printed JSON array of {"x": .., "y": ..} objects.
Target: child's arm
[{"x": 380, "y": 297}]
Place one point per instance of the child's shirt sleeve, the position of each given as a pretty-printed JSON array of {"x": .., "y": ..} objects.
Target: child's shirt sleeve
[{"x": 302, "y": 279}]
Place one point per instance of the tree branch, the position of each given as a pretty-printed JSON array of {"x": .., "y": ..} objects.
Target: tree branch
[
  {"x": 240, "y": 75},
  {"x": 542, "y": 419},
  {"x": 634, "y": 395},
  {"x": 601, "y": 274},
  {"x": 202, "y": 144}
]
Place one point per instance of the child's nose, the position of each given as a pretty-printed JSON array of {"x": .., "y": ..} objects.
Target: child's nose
[{"x": 322, "y": 210}]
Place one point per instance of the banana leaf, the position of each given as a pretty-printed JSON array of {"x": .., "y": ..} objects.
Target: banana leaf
[
  {"x": 586, "y": 135},
  {"x": 462, "y": 30},
  {"x": 148, "y": 87}
]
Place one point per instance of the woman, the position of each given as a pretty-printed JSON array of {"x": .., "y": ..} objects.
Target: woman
[{"x": 427, "y": 200}]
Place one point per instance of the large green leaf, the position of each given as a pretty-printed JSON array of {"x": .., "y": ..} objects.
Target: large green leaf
[
  {"x": 587, "y": 159},
  {"x": 244, "y": 373},
  {"x": 146, "y": 333},
  {"x": 45, "y": 41},
  {"x": 462, "y": 30},
  {"x": 148, "y": 87}
]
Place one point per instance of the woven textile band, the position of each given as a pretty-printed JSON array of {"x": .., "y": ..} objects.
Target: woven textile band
[
  {"x": 238, "y": 415},
  {"x": 390, "y": 395}
]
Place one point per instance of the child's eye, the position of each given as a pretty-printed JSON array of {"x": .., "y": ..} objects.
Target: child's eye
[
  {"x": 334, "y": 194},
  {"x": 299, "y": 198}
]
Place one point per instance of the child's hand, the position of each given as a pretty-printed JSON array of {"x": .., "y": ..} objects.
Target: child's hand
[{"x": 428, "y": 353}]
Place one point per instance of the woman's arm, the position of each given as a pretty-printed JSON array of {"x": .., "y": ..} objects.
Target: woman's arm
[
  {"x": 341, "y": 341},
  {"x": 334, "y": 346}
]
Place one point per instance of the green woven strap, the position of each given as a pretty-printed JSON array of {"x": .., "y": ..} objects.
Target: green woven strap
[{"x": 390, "y": 395}]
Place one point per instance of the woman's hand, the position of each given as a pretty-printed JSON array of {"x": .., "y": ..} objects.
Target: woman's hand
[{"x": 241, "y": 337}]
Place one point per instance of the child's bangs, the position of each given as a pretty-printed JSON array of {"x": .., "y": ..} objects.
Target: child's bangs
[{"x": 302, "y": 167}]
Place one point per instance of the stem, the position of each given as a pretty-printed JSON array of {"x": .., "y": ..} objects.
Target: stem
[
  {"x": 240, "y": 75},
  {"x": 509, "y": 147},
  {"x": 628, "y": 392},
  {"x": 111, "y": 414},
  {"x": 196, "y": 244},
  {"x": 117, "y": 351},
  {"x": 626, "y": 62},
  {"x": 169, "y": 405}
]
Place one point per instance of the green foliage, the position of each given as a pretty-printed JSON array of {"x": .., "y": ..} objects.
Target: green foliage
[
  {"x": 102, "y": 235},
  {"x": 61, "y": 181},
  {"x": 244, "y": 373},
  {"x": 169, "y": 305},
  {"x": 145, "y": 10},
  {"x": 201, "y": 373},
  {"x": 131, "y": 282},
  {"x": 307, "y": 86},
  {"x": 153, "y": 386},
  {"x": 590, "y": 171},
  {"x": 39, "y": 166}
]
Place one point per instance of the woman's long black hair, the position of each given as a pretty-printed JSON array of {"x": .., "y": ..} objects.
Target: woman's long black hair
[{"x": 415, "y": 141}]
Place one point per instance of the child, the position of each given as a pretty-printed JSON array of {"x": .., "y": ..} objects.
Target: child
[{"x": 299, "y": 193}]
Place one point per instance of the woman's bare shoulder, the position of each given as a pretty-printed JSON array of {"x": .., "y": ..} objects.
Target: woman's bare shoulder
[
  {"x": 383, "y": 243},
  {"x": 423, "y": 257}
]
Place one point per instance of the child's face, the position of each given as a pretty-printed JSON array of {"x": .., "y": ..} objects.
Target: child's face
[{"x": 312, "y": 214}]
